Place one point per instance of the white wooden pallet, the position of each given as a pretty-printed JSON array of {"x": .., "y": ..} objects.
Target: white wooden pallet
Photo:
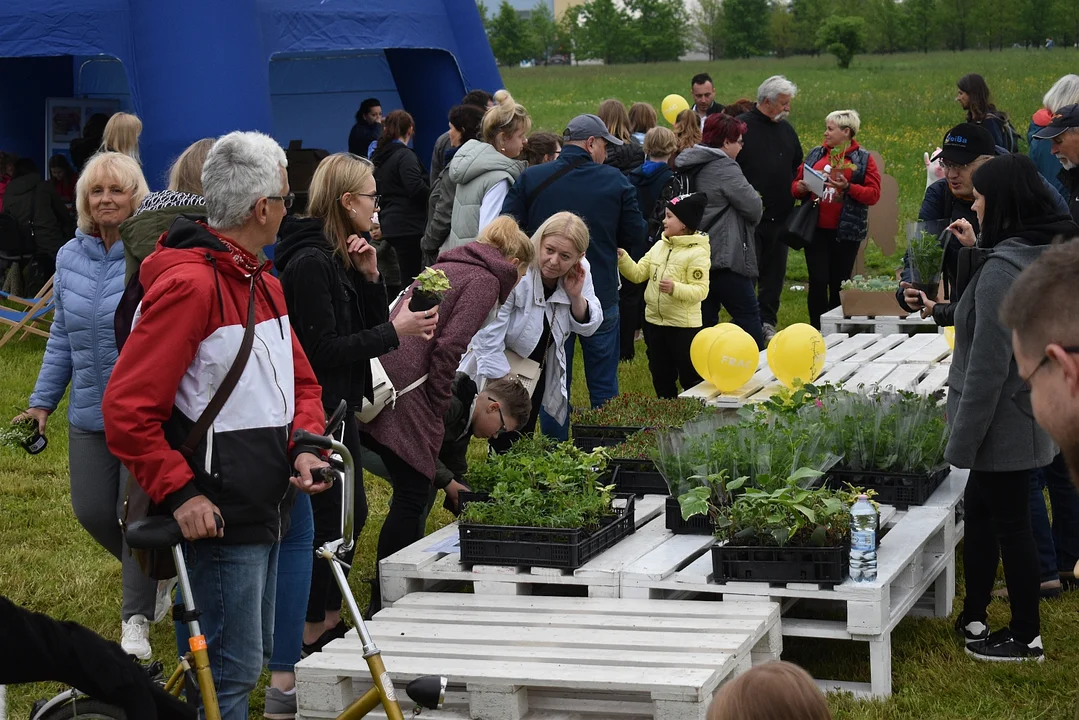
[
  {"x": 864, "y": 361},
  {"x": 834, "y": 321},
  {"x": 510, "y": 658},
  {"x": 433, "y": 563},
  {"x": 915, "y": 575}
]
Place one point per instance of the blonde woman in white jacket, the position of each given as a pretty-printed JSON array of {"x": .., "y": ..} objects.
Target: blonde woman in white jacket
[{"x": 554, "y": 299}]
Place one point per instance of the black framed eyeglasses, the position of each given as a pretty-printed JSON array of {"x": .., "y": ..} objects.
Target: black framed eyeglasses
[
  {"x": 1021, "y": 397},
  {"x": 502, "y": 423},
  {"x": 286, "y": 200},
  {"x": 374, "y": 196}
]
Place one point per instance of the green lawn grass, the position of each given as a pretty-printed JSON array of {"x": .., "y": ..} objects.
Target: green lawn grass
[{"x": 49, "y": 563}]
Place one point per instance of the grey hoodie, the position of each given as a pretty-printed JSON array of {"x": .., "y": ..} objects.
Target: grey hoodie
[
  {"x": 733, "y": 200},
  {"x": 989, "y": 431},
  {"x": 476, "y": 168}
]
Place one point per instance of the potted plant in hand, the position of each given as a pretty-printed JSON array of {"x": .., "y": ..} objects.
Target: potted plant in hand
[
  {"x": 926, "y": 260},
  {"x": 25, "y": 435},
  {"x": 431, "y": 288}
]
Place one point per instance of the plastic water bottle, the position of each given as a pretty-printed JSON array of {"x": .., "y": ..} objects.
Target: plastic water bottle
[{"x": 863, "y": 541}]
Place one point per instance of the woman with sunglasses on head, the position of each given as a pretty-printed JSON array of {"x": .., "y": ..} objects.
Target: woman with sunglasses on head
[
  {"x": 338, "y": 308},
  {"x": 993, "y": 432}
]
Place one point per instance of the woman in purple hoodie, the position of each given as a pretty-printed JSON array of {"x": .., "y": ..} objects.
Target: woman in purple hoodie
[{"x": 408, "y": 436}]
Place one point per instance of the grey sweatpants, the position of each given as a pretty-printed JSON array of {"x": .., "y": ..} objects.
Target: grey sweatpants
[{"x": 98, "y": 484}]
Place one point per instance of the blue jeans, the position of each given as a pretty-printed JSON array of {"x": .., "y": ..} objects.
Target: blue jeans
[
  {"x": 600, "y": 369},
  {"x": 237, "y": 583},
  {"x": 293, "y": 582},
  {"x": 1058, "y": 545}
]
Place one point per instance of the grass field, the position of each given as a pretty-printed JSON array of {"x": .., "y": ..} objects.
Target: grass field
[{"x": 49, "y": 563}]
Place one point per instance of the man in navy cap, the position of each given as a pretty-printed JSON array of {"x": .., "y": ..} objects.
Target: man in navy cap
[
  {"x": 580, "y": 183},
  {"x": 1060, "y": 131}
]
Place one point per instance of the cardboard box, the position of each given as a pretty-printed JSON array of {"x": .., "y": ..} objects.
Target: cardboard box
[{"x": 870, "y": 304}]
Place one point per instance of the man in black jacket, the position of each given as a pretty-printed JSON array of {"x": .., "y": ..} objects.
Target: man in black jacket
[
  {"x": 704, "y": 96},
  {"x": 770, "y": 157}
]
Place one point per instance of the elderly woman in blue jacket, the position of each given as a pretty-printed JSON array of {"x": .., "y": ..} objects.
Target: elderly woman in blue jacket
[
  {"x": 81, "y": 352},
  {"x": 553, "y": 299}
]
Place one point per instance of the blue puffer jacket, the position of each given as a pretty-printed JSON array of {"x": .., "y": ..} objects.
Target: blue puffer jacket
[{"x": 82, "y": 342}]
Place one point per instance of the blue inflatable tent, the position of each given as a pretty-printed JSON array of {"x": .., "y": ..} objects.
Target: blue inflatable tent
[{"x": 296, "y": 69}]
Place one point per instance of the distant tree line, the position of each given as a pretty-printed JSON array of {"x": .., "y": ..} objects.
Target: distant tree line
[{"x": 657, "y": 30}]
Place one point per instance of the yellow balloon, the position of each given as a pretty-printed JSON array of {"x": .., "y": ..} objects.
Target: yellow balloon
[
  {"x": 949, "y": 336},
  {"x": 797, "y": 353},
  {"x": 702, "y": 344},
  {"x": 732, "y": 360},
  {"x": 672, "y": 105}
]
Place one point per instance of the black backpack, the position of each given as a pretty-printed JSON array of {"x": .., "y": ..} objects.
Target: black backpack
[{"x": 16, "y": 238}]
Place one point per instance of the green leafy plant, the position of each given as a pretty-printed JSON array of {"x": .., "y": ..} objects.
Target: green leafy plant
[
  {"x": 926, "y": 258},
  {"x": 790, "y": 515},
  {"x": 641, "y": 445},
  {"x": 632, "y": 410},
  {"x": 541, "y": 484},
  {"x": 433, "y": 282},
  {"x": 871, "y": 284},
  {"x": 13, "y": 436}
]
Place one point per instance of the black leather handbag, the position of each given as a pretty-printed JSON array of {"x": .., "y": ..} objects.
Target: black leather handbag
[{"x": 801, "y": 225}]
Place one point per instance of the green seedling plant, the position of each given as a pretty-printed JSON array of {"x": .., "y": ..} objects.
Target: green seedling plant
[
  {"x": 641, "y": 445},
  {"x": 14, "y": 435},
  {"x": 541, "y": 484},
  {"x": 870, "y": 284},
  {"x": 634, "y": 410},
  {"x": 433, "y": 282},
  {"x": 926, "y": 257}
]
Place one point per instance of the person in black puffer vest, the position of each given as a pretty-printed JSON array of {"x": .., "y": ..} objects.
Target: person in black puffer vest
[
  {"x": 853, "y": 185},
  {"x": 338, "y": 308}
]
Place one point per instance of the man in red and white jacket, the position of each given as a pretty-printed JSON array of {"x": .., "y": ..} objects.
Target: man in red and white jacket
[{"x": 188, "y": 332}]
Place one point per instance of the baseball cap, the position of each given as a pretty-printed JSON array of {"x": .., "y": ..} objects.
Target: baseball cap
[
  {"x": 965, "y": 143},
  {"x": 1064, "y": 119},
  {"x": 583, "y": 127}
]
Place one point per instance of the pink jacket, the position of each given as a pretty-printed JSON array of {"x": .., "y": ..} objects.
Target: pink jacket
[{"x": 481, "y": 278}]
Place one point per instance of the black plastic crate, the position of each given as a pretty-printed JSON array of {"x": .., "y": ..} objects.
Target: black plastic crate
[
  {"x": 696, "y": 525},
  {"x": 590, "y": 437},
  {"x": 899, "y": 489},
  {"x": 543, "y": 547},
  {"x": 823, "y": 566},
  {"x": 640, "y": 477}
]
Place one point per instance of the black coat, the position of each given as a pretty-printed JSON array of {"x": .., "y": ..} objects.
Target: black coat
[
  {"x": 53, "y": 225},
  {"x": 1070, "y": 178},
  {"x": 362, "y": 135},
  {"x": 770, "y": 159},
  {"x": 626, "y": 157},
  {"x": 403, "y": 185},
  {"x": 339, "y": 318}
]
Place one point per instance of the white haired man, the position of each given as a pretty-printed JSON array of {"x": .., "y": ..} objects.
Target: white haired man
[
  {"x": 204, "y": 285},
  {"x": 770, "y": 158}
]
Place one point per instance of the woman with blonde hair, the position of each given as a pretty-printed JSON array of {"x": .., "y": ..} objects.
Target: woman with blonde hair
[
  {"x": 157, "y": 210},
  {"x": 338, "y": 307},
  {"x": 483, "y": 169},
  {"x": 408, "y": 436},
  {"x": 81, "y": 352},
  {"x": 687, "y": 129},
  {"x": 554, "y": 298},
  {"x": 122, "y": 135},
  {"x": 628, "y": 156},
  {"x": 773, "y": 691}
]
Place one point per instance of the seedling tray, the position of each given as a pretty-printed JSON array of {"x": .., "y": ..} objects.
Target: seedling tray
[
  {"x": 899, "y": 489},
  {"x": 568, "y": 549},
  {"x": 639, "y": 477},
  {"x": 590, "y": 437},
  {"x": 823, "y": 566},
  {"x": 696, "y": 525}
]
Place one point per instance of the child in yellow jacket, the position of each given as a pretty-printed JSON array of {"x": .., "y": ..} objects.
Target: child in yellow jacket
[{"x": 677, "y": 272}]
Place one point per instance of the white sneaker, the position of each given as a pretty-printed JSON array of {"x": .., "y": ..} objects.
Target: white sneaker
[
  {"x": 135, "y": 637},
  {"x": 164, "y": 599}
]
